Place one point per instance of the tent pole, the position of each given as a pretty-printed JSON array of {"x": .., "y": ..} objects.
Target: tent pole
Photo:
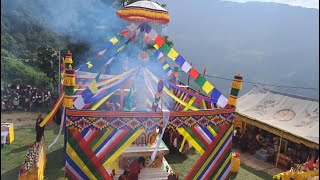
[{"x": 279, "y": 149}]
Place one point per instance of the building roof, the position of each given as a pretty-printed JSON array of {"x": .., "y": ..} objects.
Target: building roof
[{"x": 293, "y": 114}]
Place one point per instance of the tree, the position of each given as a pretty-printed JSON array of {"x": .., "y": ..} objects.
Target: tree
[{"x": 48, "y": 62}]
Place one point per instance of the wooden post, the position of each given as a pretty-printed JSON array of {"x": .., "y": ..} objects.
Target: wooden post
[
  {"x": 244, "y": 127},
  {"x": 189, "y": 78},
  {"x": 279, "y": 149},
  {"x": 122, "y": 93}
]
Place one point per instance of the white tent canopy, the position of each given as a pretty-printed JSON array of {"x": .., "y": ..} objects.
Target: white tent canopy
[{"x": 293, "y": 114}]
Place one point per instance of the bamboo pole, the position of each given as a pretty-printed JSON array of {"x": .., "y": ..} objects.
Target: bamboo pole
[{"x": 279, "y": 149}]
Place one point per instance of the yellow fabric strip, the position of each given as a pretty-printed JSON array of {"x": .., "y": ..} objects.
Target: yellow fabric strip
[
  {"x": 123, "y": 148},
  {"x": 213, "y": 153},
  {"x": 223, "y": 166},
  {"x": 189, "y": 103},
  {"x": 120, "y": 76},
  {"x": 171, "y": 94},
  {"x": 204, "y": 104},
  {"x": 148, "y": 102},
  {"x": 57, "y": 105},
  {"x": 182, "y": 144},
  {"x": 95, "y": 107},
  {"x": 121, "y": 48},
  {"x": 74, "y": 156},
  {"x": 194, "y": 143},
  {"x": 213, "y": 132},
  {"x": 109, "y": 131}
]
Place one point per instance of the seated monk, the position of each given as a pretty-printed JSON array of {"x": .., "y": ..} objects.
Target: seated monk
[{"x": 134, "y": 171}]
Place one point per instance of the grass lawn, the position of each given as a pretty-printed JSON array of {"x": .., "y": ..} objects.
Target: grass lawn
[
  {"x": 245, "y": 172},
  {"x": 12, "y": 157}
]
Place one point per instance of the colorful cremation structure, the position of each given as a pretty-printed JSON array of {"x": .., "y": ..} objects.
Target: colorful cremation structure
[{"x": 117, "y": 119}]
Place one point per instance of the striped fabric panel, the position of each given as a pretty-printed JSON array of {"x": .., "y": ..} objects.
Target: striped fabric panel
[
  {"x": 192, "y": 139},
  {"x": 214, "y": 160},
  {"x": 78, "y": 161},
  {"x": 196, "y": 168},
  {"x": 74, "y": 170},
  {"x": 206, "y": 137},
  {"x": 104, "y": 137},
  {"x": 112, "y": 148},
  {"x": 81, "y": 145},
  {"x": 116, "y": 138},
  {"x": 226, "y": 170},
  {"x": 125, "y": 143}
]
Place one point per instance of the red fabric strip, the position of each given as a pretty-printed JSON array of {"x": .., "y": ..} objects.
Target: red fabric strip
[
  {"x": 113, "y": 145},
  {"x": 70, "y": 174},
  {"x": 219, "y": 160},
  {"x": 90, "y": 154},
  {"x": 207, "y": 153},
  {"x": 202, "y": 139}
]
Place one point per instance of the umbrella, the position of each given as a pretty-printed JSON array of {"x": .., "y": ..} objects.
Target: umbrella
[{"x": 144, "y": 11}]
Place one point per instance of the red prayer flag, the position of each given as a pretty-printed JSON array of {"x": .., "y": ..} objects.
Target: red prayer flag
[
  {"x": 147, "y": 39},
  {"x": 159, "y": 41},
  {"x": 132, "y": 37},
  {"x": 194, "y": 73},
  {"x": 125, "y": 33}
]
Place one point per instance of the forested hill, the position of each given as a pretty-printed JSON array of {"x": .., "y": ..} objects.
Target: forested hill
[{"x": 31, "y": 30}]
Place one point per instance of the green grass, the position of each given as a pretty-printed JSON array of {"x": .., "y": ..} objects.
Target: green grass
[
  {"x": 245, "y": 172},
  {"x": 12, "y": 157}
]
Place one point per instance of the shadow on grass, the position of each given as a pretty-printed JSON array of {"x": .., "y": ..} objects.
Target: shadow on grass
[
  {"x": 178, "y": 157},
  {"x": 55, "y": 164},
  {"x": 17, "y": 150},
  {"x": 258, "y": 173},
  {"x": 11, "y": 174}
]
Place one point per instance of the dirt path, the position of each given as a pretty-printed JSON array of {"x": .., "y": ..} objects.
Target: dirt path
[{"x": 20, "y": 119}]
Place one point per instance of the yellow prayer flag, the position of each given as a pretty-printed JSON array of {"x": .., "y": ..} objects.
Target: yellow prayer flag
[
  {"x": 166, "y": 66},
  {"x": 207, "y": 87},
  {"x": 93, "y": 86},
  {"x": 89, "y": 64},
  {"x": 121, "y": 48},
  {"x": 156, "y": 46},
  {"x": 173, "y": 54},
  {"x": 114, "y": 40}
]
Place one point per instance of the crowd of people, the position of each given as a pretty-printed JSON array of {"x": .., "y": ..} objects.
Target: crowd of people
[
  {"x": 24, "y": 97},
  {"x": 256, "y": 142},
  {"x": 173, "y": 139}
]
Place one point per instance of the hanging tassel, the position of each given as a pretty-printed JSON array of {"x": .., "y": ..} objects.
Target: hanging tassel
[
  {"x": 232, "y": 101},
  {"x": 237, "y": 84},
  {"x": 69, "y": 80},
  {"x": 68, "y": 102},
  {"x": 68, "y": 58},
  {"x": 234, "y": 92}
]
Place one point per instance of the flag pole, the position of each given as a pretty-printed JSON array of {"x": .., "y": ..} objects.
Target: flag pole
[{"x": 59, "y": 83}]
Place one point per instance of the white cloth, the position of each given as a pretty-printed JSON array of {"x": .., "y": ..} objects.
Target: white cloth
[
  {"x": 295, "y": 114},
  {"x": 4, "y": 135}
]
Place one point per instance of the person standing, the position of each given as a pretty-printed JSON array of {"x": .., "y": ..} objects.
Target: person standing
[{"x": 39, "y": 129}]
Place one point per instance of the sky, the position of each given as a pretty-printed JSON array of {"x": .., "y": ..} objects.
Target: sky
[
  {"x": 266, "y": 42},
  {"x": 302, "y": 3}
]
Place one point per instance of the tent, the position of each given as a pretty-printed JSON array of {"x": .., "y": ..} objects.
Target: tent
[{"x": 293, "y": 117}]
